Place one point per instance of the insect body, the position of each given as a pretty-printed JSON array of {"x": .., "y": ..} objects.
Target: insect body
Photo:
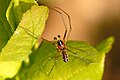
[
  {"x": 60, "y": 43},
  {"x": 62, "y": 48}
]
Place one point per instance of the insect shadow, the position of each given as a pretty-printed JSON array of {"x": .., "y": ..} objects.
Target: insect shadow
[{"x": 60, "y": 44}]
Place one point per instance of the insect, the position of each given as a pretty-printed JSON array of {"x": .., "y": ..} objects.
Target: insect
[{"x": 61, "y": 43}]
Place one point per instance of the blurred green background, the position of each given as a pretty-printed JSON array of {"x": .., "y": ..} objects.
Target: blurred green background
[{"x": 92, "y": 21}]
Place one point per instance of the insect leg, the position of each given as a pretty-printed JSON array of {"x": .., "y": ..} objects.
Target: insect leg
[
  {"x": 48, "y": 40},
  {"x": 49, "y": 72},
  {"x": 56, "y": 56},
  {"x": 66, "y": 36},
  {"x": 65, "y": 33},
  {"x": 52, "y": 68},
  {"x": 69, "y": 24},
  {"x": 29, "y": 32},
  {"x": 79, "y": 57}
]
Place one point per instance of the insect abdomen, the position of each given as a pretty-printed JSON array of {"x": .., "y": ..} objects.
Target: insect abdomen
[{"x": 65, "y": 56}]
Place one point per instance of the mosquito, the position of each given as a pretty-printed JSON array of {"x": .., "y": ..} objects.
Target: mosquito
[{"x": 61, "y": 43}]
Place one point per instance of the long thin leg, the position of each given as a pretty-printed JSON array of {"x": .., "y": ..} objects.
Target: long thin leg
[
  {"x": 81, "y": 58},
  {"x": 76, "y": 48},
  {"x": 48, "y": 74},
  {"x": 29, "y": 32},
  {"x": 52, "y": 68},
  {"x": 48, "y": 40},
  {"x": 34, "y": 35},
  {"x": 65, "y": 33},
  {"x": 69, "y": 24},
  {"x": 57, "y": 55}
]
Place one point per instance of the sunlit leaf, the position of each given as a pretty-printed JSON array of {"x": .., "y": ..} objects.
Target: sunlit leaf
[
  {"x": 15, "y": 11},
  {"x": 20, "y": 44},
  {"x": 106, "y": 45}
]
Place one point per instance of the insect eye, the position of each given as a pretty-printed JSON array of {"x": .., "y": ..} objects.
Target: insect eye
[
  {"x": 58, "y": 36},
  {"x": 55, "y": 38}
]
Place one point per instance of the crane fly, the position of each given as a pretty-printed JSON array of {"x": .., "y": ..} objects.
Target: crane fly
[{"x": 61, "y": 43}]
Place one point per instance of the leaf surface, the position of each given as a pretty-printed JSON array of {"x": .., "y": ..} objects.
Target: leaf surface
[
  {"x": 106, "y": 45},
  {"x": 15, "y": 11},
  {"x": 5, "y": 30},
  {"x": 86, "y": 64},
  {"x": 20, "y": 44}
]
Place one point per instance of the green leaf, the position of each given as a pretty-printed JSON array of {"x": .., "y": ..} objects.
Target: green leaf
[
  {"x": 105, "y": 46},
  {"x": 86, "y": 64},
  {"x": 33, "y": 21},
  {"x": 5, "y": 30},
  {"x": 15, "y": 11},
  {"x": 20, "y": 44},
  {"x": 9, "y": 69}
]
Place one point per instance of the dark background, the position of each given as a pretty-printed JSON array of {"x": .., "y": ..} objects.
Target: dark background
[{"x": 92, "y": 21}]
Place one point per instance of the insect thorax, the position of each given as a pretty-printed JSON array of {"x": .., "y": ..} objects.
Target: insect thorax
[{"x": 60, "y": 44}]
